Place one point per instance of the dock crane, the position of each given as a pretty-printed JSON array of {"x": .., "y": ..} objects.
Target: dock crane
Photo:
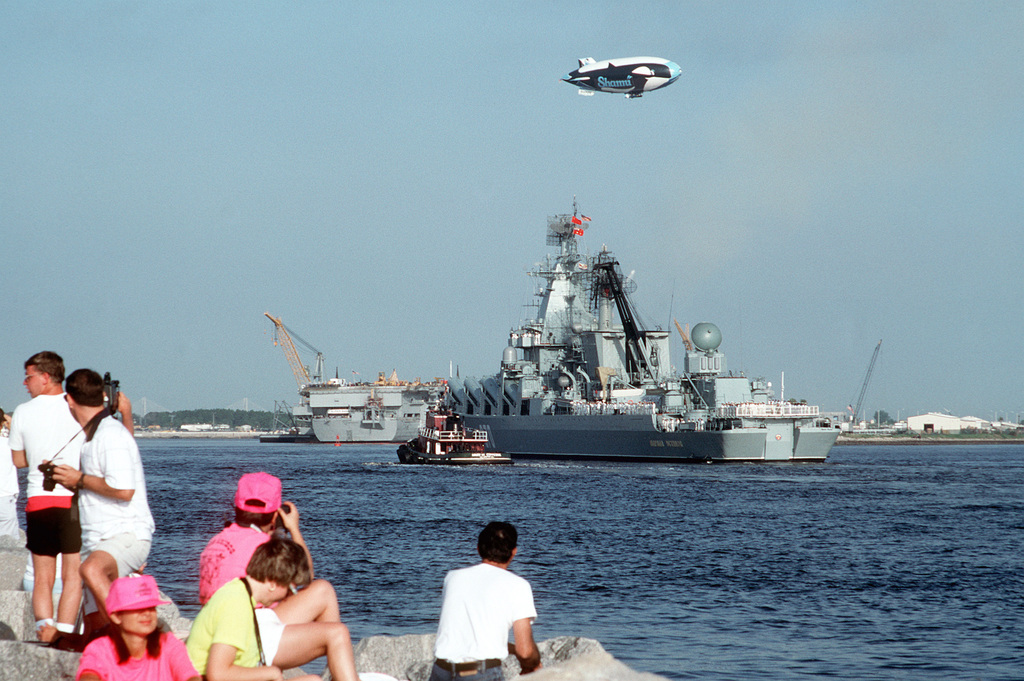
[
  {"x": 283, "y": 337},
  {"x": 864, "y": 387}
]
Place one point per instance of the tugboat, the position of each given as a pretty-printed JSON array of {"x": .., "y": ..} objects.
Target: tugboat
[{"x": 445, "y": 440}]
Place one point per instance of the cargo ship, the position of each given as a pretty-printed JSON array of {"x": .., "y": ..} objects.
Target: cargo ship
[{"x": 585, "y": 379}]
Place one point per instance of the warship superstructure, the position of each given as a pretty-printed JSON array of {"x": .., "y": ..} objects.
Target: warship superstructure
[
  {"x": 576, "y": 383},
  {"x": 388, "y": 410}
]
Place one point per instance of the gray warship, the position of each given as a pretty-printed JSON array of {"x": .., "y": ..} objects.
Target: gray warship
[
  {"x": 387, "y": 410},
  {"x": 573, "y": 383}
]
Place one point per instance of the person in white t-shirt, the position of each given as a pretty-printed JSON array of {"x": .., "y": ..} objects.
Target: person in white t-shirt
[
  {"x": 8, "y": 482},
  {"x": 479, "y": 606},
  {"x": 117, "y": 526},
  {"x": 43, "y": 430}
]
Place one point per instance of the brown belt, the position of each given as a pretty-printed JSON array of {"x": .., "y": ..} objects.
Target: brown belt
[{"x": 473, "y": 667}]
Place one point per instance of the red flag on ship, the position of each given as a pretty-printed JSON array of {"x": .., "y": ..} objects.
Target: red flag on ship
[
  {"x": 577, "y": 232},
  {"x": 576, "y": 220}
]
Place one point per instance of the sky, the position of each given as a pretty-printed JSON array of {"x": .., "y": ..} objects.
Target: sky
[{"x": 824, "y": 175}]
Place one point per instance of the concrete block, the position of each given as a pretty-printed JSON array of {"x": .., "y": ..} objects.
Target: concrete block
[
  {"x": 28, "y": 662},
  {"x": 17, "y": 622}
]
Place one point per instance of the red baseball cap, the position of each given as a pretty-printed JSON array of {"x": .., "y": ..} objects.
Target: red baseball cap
[
  {"x": 134, "y": 592},
  {"x": 258, "y": 493}
]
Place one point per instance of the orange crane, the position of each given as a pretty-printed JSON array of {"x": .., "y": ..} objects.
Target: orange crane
[
  {"x": 685, "y": 335},
  {"x": 283, "y": 338}
]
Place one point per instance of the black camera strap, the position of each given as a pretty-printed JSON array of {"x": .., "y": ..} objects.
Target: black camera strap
[{"x": 80, "y": 431}]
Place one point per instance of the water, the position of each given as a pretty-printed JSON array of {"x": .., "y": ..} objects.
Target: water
[{"x": 894, "y": 562}]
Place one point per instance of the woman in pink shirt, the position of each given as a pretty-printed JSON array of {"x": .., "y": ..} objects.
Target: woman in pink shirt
[{"x": 135, "y": 649}]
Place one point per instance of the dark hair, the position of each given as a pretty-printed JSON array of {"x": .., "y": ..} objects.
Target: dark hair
[
  {"x": 281, "y": 561},
  {"x": 152, "y": 644},
  {"x": 48, "y": 363},
  {"x": 85, "y": 387},
  {"x": 497, "y": 541},
  {"x": 245, "y": 518}
]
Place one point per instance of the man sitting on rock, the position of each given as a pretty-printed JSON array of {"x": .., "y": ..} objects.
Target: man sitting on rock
[
  {"x": 234, "y": 640},
  {"x": 479, "y": 606}
]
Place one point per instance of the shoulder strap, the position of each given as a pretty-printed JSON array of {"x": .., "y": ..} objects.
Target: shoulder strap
[{"x": 255, "y": 623}]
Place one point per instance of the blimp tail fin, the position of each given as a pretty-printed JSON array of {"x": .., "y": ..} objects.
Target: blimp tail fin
[{"x": 586, "y": 60}]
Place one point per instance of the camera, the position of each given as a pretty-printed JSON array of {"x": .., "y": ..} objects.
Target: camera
[
  {"x": 49, "y": 484},
  {"x": 110, "y": 392}
]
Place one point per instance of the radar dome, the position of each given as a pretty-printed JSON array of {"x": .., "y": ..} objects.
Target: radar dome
[{"x": 706, "y": 336}]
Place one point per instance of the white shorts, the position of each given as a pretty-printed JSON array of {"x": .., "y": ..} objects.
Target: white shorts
[
  {"x": 271, "y": 631},
  {"x": 129, "y": 553}
]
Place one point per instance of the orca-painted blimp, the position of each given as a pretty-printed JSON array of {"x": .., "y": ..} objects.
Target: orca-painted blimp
[{"x": 630, "y": 76}]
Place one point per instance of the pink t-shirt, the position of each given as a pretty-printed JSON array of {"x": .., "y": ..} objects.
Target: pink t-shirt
[
  {"x": 100, "y": 658},
  {"x": 226, "y": 557}
]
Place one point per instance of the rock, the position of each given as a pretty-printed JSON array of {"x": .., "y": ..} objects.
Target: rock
[
  {"x": 13, "y": 559},
  {"x": 170, "y": 618},
  {"x": 402, "y": 657},
  {"x": 592, "y": 666},
  {"x": 28, "y": 662},
  {"x": 17, "y": 622},
  {"x": 564, "y": 658}
]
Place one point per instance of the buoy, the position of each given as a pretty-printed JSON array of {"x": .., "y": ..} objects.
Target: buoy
[{"x": 337, "y": 440}]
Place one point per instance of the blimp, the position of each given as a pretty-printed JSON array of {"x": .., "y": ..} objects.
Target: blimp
[{"x": 630, "y": 76}]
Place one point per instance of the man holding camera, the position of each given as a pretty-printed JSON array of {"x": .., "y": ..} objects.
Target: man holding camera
[
  {"x": 117, "y": 527},
  {"x": 43, "y": 430}
]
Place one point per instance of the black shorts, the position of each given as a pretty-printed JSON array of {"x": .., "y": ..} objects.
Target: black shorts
[{"x": 51, "y": 531}]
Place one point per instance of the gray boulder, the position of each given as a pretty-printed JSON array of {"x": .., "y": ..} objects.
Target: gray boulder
[
  {"x": 170, "y": 618},
  {"x": 564, "y": 658},
  {"x": 13, "y": 559},
  {"x": 17, "y": 623},
  {"x": 28, "y": 662},
  {"x": 403, "y": 657}
]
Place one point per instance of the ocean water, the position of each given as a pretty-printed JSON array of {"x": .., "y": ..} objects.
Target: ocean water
[{"x": 886, "y": 562}]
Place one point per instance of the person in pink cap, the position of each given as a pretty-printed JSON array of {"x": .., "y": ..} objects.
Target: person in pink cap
[
  {"x": 135, "y": 649},
  {"x": 258, "y": 506}
]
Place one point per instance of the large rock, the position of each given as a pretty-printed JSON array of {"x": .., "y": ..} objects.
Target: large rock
[
  {"x": 170, "y": 619},
  {"x": 565, "y": 658},
  {"x": 28, "y": 662},
  {"x": 17, "y": 622},
  {"x": 592, "y": 666},
  {"x": 13, "y": 559},
  {"x": 402, "y": 657}
]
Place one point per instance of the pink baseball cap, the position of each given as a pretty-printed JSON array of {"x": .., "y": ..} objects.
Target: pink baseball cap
[
  {"x": 258, "y": 493},
  {"x": 134, "y": 592}
]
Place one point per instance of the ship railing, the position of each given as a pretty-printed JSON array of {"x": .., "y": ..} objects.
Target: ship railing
[
  {"x": 767, "y": 410},
  {"x": 452, "y": 435},
  {"x": 585, "y": 408}
]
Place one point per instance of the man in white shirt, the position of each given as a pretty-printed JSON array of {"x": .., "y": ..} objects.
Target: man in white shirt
[
  {"x": 479, "y": 606},
  {"x": 43, "y": 430},
  {"x": 117, "y": 527}
]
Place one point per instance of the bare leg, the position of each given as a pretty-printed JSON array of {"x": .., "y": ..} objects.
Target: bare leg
[
  {"x": 301, "y": 643},
  {"x": 71, "y": 595},
  {"x": 316, "y": 603},
  {"x": 98, "y": 572},
  {"x": 45, "y": 568}
]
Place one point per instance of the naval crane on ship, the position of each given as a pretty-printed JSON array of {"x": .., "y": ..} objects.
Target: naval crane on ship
[{"x": 283, "y": 336}]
